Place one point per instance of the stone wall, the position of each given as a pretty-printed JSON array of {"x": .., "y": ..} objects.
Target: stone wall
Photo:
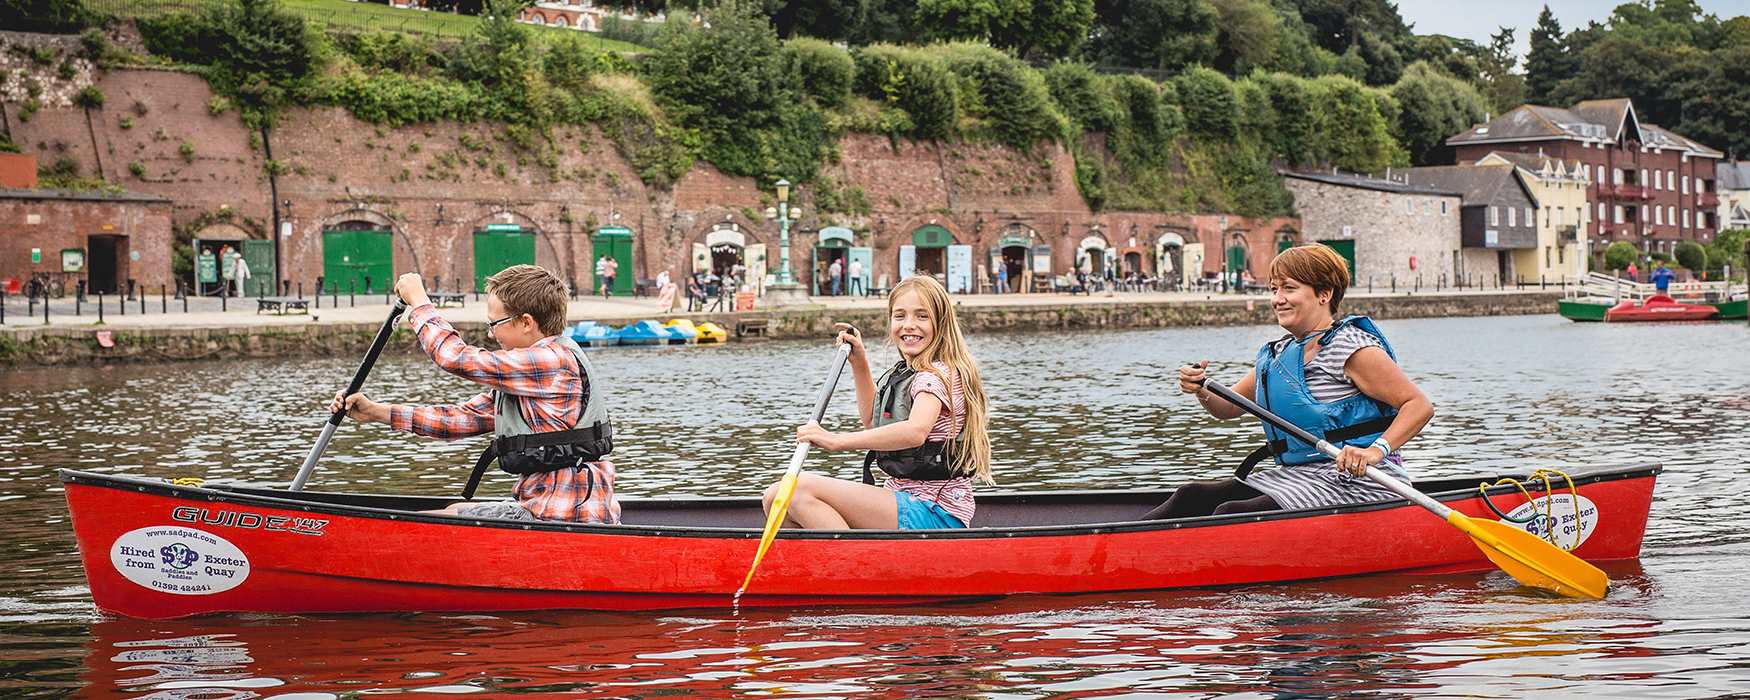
[
  {"x": 1390, "y": 229},
  {"x": 433, "y": 185},
  {"x": 47, "y": 346}
]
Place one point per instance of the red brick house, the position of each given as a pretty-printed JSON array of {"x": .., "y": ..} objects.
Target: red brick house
[{"x": 1649, "y": 186}]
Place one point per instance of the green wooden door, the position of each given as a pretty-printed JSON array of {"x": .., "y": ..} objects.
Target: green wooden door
[
  {"x": 614, "y": 242},
  {"x": 1236, "y": 262},
  {"x": 499, "y": 247},
  {"x": 1345, "y": 249},
  {"x": 259, "y": 256},
  {"x": 365, "y": 260}
]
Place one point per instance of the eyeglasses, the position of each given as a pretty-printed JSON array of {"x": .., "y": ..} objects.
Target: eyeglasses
[{"x": 491, "y": 324}]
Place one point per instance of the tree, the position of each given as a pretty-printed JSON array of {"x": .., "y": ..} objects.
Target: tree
[
  {"x": 1209, "y": 103},
  {"x": 1384, "y": 63},
  {"x": 1168, "y": 34},
  {"x": 1549, "y": 61},
  {"x": 1503, "y": 88},
  {"x": 1689, "y": 254},
  {"x": 52, "y": 16},
  {"x": 1433, "y": 106},
  {"x": 1247, "y": 36},
  {"x": 1050, "y": 28},
  {"x": 1619, "y": 255}
]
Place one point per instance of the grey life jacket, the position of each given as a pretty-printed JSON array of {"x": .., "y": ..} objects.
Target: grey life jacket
[
  {"x": 931, "y": 461},
  {"x": 520, "y": 450}
]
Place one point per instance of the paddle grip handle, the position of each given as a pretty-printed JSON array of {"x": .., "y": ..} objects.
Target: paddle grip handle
[{"x": 382, "y": 339}]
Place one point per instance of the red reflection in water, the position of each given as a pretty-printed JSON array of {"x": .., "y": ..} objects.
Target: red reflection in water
[{"x": 1378, "y": 633}]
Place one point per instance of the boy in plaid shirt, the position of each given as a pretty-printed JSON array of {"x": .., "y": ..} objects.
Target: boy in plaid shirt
[{"x": 541, "y": 384}]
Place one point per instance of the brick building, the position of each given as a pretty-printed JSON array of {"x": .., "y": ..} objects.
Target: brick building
[
  {"x": 1388, "y": 229},
  {"x": 107, "y": 240},
  {"x": 1497, "y": 220},
  {"x": 1650, "y": 187}
]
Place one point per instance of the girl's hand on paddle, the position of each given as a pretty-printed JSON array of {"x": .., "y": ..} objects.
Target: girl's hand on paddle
[
  {"x": 1191, "y": 377},
  {"x": 411, "y": 289},
  {"x": 360, "y": 408},
  {"x": 813, "y": 434},
  {"x": 1355, "y": 460},
  {"x": 849, "y": 334}
]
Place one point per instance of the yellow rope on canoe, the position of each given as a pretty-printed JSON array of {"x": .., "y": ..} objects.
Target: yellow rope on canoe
[{"x": 1548, "y": 504}]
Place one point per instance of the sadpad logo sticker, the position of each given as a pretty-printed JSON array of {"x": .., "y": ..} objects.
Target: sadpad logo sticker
[
  {"x": 179, "y": 560},
  {"x": 1557, "y": 514}
]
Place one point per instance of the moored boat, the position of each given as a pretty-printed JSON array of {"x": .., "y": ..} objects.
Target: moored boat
[
  {"x": 681, "y": 331},
  {"x": 1659, "y": 308},
  {"x": 154, "y": 549},
  {"x": 712, "y": 333},
  {"x": 643, "y": 333}
]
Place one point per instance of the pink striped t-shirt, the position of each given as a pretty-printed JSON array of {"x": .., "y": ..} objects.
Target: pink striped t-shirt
[{"x": 953, "y": 495}]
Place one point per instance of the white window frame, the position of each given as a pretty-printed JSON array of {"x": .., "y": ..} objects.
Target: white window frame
[
  {"x": 1494, "y": 216},
  {"x": 1658, "y": 179},
  {"x": 1686, "y": 218},
  {"x": 1619, "y": 214},
  {"x": 1658, "y": 215},
  {"x": 1671, "y": 180},
  {"x": 1686, "y": 184},
  {"x": 1512, "y": 216},
  {"x": 1643, "y": 181},
  {"x": 1530, "y": 218}
]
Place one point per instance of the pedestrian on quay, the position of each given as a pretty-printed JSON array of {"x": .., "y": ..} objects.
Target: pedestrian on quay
[
  {"x": 227, "y": 270},
  {"x": 1634, "y": 274},
  {"x": 613, "y": 270},
  {"x": 856, "y": 277},
  {"x": 240, "y": 273},
  {"x": 601, "y": 275},
  {"x": 1003, "y": 277},
  {"x": 836, "y": 272},
  {"x": 1662, "y": 277}
]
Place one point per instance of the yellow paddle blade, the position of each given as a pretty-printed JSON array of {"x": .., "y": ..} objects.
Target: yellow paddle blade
[
  {"x": 775, "y": 518},
  {"x": 1533, "y": 561}
]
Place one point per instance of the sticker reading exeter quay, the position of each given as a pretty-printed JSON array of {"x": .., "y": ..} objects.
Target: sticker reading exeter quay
[
  {"x": 179, "y": 560},
  {"x": 1556, "y": 514}
]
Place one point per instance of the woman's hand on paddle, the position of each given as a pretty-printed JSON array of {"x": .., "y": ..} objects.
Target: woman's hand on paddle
[
  {"x": 411, "y": 289},
  {"x": 360, "y": 408},
  {"x": 849, "y": 334},
  {"x": 813, "y": 434},
  {"x": 1355, "y": 460},
  {"x": 1191, "y": 377}
]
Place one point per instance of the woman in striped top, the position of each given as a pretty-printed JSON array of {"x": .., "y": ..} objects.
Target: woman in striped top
[
  {"x": 1336, "y": 378},
  {"x": 924, "y": 427}
]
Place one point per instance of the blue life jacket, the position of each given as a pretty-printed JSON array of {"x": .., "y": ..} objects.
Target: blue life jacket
[{"x": 1281, "y": 385}]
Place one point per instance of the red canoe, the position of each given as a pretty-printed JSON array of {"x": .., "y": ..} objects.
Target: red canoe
[
  {"x": 154, "y": 550},
  {"x": 1660, "y": 308}
]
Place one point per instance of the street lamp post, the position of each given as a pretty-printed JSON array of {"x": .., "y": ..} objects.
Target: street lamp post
[{"x": 785, "y": 291}]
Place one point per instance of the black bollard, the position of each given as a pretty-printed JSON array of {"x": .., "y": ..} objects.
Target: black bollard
[
  {"x": 163, "y": 300},
  {"x": 121, "y": 303},
  {"x": 334, "y": 296},
  {"x": 78, "y": 305},
  {"x": 352, "y": 298},
  {"x": 100, "y": 308},
  {"x": 1370, "y": 284},
  {"x": 142, "y": 291},
  {"x": 2, "y": 307},
  {"x": 45, "y": 309},
  {"x": 1394, "y": 283},
  {"x": 1541, "y": 282},
  {"x": 300, "y": 289},
  {"x": 224, "y": 303},
  {"x": 181, "y": 292}
]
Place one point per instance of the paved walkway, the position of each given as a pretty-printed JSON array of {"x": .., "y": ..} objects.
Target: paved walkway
[{"x": 207, "y": 313}]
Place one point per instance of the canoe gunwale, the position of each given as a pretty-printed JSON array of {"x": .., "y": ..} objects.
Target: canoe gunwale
[{"x": 325, "y": 503}]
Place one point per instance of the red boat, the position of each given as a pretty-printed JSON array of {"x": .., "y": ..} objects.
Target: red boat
[
  {"x": 1660, "y": 307},
  {"x": 153, "y": 549}
]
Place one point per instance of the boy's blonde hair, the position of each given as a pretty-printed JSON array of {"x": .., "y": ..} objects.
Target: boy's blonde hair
[
  {"x": 532, "y": 290},
  {"x": 972, "y": 448}
]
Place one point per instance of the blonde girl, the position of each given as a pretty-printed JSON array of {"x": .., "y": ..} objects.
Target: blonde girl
[{"x": 923, "y": 425}]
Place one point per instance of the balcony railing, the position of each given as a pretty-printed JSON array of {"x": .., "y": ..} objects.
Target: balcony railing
[
  {"x": 1568, "y": 234},
  {"x": 1605, "y": 190},
  {"x": 1707, "y": 199}
]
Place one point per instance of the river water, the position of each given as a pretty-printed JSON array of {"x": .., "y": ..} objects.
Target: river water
[{"x": 1071, "y": 410}]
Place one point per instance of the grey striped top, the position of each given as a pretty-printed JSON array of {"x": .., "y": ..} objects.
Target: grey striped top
[{"x": 1319, "y": 484}]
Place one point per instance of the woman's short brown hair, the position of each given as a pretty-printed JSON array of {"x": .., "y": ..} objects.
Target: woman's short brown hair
[
  {"x": 1315, "y": 265},
  {"x": 532, "y": 290}
]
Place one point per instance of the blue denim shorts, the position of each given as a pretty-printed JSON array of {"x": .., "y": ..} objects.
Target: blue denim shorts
[{"x": 918, "y": 514}]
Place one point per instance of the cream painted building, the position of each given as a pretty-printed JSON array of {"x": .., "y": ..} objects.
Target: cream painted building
[{"x": 1562, "y": 215}]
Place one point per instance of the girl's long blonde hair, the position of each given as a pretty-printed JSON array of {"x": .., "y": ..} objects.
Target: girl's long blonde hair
[{"x": 947, "y": 345}]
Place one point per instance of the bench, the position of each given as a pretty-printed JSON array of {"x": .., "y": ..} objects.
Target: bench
[
  {"x": 643, "y": 287},
  {"x": 281, "y": 305},
  {"x": 750, "y": 327},
  {"x": 442, "y": 299}
]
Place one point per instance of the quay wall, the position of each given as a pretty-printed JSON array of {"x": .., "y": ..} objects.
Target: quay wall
[{"x": 52, "y": 346}]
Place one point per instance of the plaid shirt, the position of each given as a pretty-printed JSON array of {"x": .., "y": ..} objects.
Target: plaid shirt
[{"x": 548, "y": 380}]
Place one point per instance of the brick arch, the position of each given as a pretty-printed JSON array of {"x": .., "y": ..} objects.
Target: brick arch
[
  {"x": 902, "y": 234},
  {"x": 554, "y": 259},
  {"x": 307, "y": 245},
  {"x": 712, "y": 218}
]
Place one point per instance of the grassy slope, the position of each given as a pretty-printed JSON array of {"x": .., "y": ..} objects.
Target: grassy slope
[{"x": 345, "y": 15}]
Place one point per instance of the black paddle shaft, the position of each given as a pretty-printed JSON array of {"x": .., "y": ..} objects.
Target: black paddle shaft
[
  {"x": 358, "y": 378},
  {"x": 1249, "y": 406},
  {"x": 358, "y": 382}
]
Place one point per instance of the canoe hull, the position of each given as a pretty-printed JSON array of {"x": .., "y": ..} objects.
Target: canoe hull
[
  {"x": 1574, "y": 310},
  {"x": 271, "y": 554}
]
